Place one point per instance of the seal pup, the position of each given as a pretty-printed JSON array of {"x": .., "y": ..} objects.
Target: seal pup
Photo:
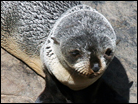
[
  {"x": 75, "y": 55},
  {"x": 79, "y": 48},
  {"x": 80, "y": 44}
]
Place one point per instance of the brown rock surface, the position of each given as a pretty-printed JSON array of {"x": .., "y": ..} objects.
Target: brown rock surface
[{"x": 19, "y": 84}]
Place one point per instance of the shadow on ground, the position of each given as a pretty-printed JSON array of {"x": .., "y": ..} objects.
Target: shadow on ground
[{"x": 116, "y": 77}]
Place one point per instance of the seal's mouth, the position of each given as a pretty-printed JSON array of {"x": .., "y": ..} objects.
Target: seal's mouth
[
  {"x": 88, "y": 73},
  {"x": 90, "y": 69}
]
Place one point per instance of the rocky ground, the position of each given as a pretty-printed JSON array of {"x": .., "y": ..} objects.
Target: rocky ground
[{"x": 20, "y": 84}]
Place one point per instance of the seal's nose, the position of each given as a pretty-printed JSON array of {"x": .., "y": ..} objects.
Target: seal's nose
[{"x": 96, "y": 67}]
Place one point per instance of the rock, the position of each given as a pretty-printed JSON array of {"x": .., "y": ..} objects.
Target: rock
[{"x": 19, "y": 84}]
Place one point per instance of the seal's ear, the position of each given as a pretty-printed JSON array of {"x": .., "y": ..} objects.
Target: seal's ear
[
  {"x": 118, "y": 41},
  {"x": 55, "y": 40}
]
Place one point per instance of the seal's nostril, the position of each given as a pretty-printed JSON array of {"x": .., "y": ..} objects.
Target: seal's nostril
[{"x": 96, "y": 67}]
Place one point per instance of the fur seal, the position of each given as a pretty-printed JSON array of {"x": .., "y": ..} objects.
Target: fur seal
[
  {"x": 71, "y": 43},
  {"x": 79, "y": 48}
]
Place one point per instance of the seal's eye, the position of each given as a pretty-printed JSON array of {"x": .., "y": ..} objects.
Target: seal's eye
[
  {"x": 108, "y": 52},
  {"x": 75, "y": 53}
]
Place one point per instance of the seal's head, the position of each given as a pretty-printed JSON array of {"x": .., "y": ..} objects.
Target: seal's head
[
  {"x": 85, "y": 42},
  {"x": 80, "y": 47}
]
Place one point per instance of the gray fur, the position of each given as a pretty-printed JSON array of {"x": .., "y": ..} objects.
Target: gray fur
[
  {"x": 52, "y": 29},
  {"x": 31, "y": 21},
  {"x": 80, "y": 28}
]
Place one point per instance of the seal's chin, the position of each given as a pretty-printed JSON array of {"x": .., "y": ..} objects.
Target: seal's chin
[{"x": 89, "y": 73}]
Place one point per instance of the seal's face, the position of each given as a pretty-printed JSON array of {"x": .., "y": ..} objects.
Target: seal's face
[
  {"x": 86, "y": 42},
  {"x": 80, "y": 46},
  {"x": 88, "y": 57}
]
